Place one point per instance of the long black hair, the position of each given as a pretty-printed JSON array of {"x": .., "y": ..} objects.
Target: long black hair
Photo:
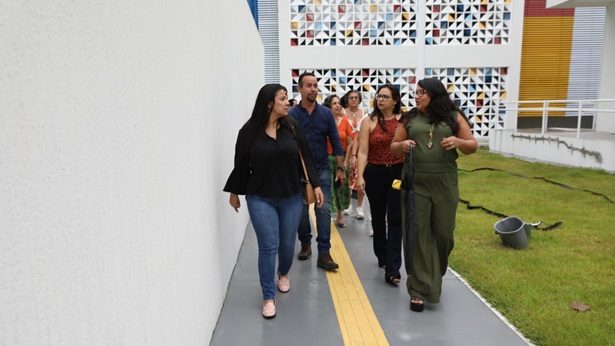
[
  {"x": 262, "y": 107},
  {"x": 396, "y": 109},
  {"x": 441, "y": 108}
]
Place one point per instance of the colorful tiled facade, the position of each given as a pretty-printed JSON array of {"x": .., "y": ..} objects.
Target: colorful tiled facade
[
  {"x": 394, "y": 22},
  {"x": 487, "y": 52},
  {"x": 365, "y": 80},
  {"x": 478, "y": 92},
  {"x": 352, "y": 23},
  {"x": 467, "y": 22}
]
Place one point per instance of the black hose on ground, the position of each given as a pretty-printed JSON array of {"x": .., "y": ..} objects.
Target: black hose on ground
[
  {"x": 538, "y": 178},
  {"x": 498, "y": 214}
]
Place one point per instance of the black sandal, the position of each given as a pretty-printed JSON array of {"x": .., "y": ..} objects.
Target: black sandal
[
  {"x": 416, "y": 304},
  {"x": 393, "y": 279}
]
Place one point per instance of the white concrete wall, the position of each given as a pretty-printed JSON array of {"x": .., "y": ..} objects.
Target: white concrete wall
[
  {"x": 563, "y": 150},
  {"x": 117, "y": 127},
  {"x": 606, "y": 121}
]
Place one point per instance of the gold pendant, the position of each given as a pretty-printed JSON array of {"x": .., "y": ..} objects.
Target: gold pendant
[{"x": 430, "y": 137}]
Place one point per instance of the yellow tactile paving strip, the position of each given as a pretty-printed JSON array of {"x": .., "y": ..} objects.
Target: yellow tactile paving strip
[{"x": 358, "y": 322}]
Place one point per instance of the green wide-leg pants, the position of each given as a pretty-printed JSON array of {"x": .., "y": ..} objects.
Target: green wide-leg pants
[{"x": 436, "y": 198}]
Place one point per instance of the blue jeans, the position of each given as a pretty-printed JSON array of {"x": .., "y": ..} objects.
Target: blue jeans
[
  {"x": 275, "y": 222},
  {"x": 323, "y": 217}
]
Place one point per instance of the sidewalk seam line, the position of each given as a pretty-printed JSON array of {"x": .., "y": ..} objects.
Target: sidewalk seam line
[{"x": 494, "y": 310}]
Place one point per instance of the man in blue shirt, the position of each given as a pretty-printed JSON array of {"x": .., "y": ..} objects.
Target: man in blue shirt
[{"x": 318, "y": 126}]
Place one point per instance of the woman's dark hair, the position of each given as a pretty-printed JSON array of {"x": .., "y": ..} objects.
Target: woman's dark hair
[
  {"x": 344, "y": 100},
  {"x": 329, "y": 100},
  {"x": 262, "y": 107},
  {"x": 396, "y": 109},
  {"x": 441, "y": 108}
]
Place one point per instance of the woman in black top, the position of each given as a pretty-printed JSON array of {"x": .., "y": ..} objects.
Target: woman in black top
[{"x": 268, "y": 171}]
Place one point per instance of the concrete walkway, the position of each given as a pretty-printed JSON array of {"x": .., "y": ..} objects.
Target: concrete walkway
[{"x": 307, "y": 316}]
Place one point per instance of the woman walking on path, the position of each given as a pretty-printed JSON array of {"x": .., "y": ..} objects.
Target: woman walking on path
[
  {"x": 340, "y": 193},
  {"x": 355, "y": 115},
  {"x": 377, "y": 168},
  {"x": 434, "y": 130},
  {"x": 268, "y": 171}
]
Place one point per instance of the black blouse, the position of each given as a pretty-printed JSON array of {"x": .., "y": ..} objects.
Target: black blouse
[{"x": 270, "y": 167}]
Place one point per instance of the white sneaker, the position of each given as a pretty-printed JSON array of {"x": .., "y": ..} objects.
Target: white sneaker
[
  {"x": 371, "y": 232},
  {"x": 347, "y": 211},
  {"x": 360, "y": 215}
]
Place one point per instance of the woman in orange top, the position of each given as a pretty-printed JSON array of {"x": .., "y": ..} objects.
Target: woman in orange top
[{"x": 340, "y": 192}]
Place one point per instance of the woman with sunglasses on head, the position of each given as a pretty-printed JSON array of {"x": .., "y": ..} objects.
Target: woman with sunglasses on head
[
  {"x": 355, "y": 115},
  {"x": 433, "y": 131},
  {"x": 377, "y": 167},
  {"x": 268, "y": 170}
]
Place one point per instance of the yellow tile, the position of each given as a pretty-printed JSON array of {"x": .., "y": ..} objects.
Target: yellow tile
[{"x": 358, "y": 322}]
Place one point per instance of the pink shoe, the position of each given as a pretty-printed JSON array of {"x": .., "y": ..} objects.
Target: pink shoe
[
  {"x": 269, "y": 309},
  {"x": 283, "y": 283}
]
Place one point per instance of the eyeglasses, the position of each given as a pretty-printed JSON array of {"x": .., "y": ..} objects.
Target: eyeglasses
[
  {"x": 420, "y": 93},
  {"x": 383, "y": 97},
  {"x": 353, "y": 97}
]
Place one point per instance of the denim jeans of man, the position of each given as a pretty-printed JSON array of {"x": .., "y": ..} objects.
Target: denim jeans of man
[
  {"x": 323, "y": 217},
  {"x": 275, "y": 221}
]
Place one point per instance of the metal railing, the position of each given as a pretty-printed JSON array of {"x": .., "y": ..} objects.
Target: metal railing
[{"x": 578, "y": 108}]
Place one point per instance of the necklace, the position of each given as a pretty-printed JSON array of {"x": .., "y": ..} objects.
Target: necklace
[
  {"x": 354, "y": 122},
  {"x": 430, "y": 137}
]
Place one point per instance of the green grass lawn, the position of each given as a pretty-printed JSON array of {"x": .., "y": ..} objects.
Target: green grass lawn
[{"x": 535, "y": 287}]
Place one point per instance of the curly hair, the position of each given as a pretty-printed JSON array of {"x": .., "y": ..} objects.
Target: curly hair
[{"x": 440, "y": 109}]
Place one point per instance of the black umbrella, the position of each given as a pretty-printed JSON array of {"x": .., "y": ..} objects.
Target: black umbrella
[{"x": 407, "y": 184}]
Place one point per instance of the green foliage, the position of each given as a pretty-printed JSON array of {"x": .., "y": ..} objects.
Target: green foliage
[{"x": 535, "y": 287}]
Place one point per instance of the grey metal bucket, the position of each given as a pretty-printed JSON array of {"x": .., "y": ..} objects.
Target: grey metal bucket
[{"x": 514, "y": 232}]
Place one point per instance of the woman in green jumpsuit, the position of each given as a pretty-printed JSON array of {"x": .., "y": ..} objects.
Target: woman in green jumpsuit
[{"x": 434, "y": 130}]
